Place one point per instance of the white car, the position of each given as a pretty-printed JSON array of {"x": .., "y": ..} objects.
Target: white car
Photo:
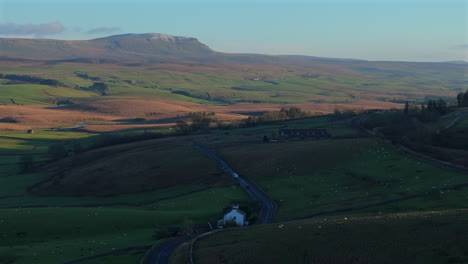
[{"x": 235, "y": 175}]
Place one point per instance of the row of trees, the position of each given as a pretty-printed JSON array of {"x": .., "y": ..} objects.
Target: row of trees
[
  {"x": 433, "y": 109},
  {"x": 283, "y": 114},
  {"x": 439, "y": 106},
  {"x": 410, "y": 126},
  {"x": 204, "y": 120},
  {"x": 31, "y": 79}
]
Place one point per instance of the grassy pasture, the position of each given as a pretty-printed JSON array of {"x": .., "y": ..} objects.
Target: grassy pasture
[
  {"x": 14, "y": 145},
  {"x": 307, "y": 177},
  {"x": 19, "y": 185},
  {"x": 337, "y": 128},
  {"x": 441, "y": 137},
  {"x": 212, "y": 83},
  {"x": 77, "y": 232},
  {"x": 133, "y": 256},
  {"x": 174, "y": 156},
  {"x": 131, "y": 168},
  {"x": 41, "y": 94},
  {"x": 432, "y": 237}
]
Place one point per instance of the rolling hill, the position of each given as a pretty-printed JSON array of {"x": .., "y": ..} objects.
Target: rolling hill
[{"x": 149, "y": 68}]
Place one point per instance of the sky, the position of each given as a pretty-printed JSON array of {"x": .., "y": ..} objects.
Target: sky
[{"x": 409, "y": 30}]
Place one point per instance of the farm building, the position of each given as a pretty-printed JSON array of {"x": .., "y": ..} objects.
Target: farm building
[
  {"x": 304, "y": 133},
  {"x": 234, "y": 215}
]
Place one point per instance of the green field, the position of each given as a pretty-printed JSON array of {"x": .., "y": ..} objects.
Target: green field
[
  {"x": 14, "y": 145},
  {"x": 68, "y": 233},
  {"x": 436, "y": 237},
  {"x": 133, "y": 256},
  {"x": 212, "y": 84},
  {"x": 38, "y": 94},
  {"x": 106, "y": 194},
  {"x": 442, "y": 136},
  {"x": 337, "y": 128},
  {"x": 306, "y": 177}
]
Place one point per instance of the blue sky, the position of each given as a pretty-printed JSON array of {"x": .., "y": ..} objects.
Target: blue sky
[{"x": 411, "y": 30}]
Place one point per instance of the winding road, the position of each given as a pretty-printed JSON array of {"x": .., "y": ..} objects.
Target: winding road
[
  {"x": 267, "y": 205},
  {"x": 455, "y": 120},
  {"x": 161, "y": 254}
]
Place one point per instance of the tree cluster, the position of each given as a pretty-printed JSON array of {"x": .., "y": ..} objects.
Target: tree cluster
[
  {"x": 32, "y": 79},
  {"x": 438, "y": 106},
  {"x": 283, "y": 114},
  {"x": 57, "y": 151},
  {"x": 100, "y": 87},
  {"x": 430, "y": 111},
  {"x": 344, "y": 114},
  {"x": 462, "y": 99},
  {"x": 26, "y": 163},
  {"x": 198, "y": 121}
]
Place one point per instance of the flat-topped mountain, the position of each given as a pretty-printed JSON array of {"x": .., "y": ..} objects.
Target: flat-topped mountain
[{"x": 119, "y": 47}]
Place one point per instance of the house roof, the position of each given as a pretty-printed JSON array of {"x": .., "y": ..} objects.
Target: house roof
[{"x": 235, "y": 209}]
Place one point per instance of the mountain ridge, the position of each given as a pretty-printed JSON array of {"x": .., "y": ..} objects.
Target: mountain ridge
[{"x": 149, "y": 46}]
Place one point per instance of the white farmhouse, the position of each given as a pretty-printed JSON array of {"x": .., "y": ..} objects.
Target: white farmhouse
[{"x": 234, "y": 215}]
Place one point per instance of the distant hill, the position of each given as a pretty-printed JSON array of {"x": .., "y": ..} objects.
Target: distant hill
[
  {"x": 149, "y": 47},
  {"x": 133, "y": 47},
  {"x": 164, "y": 67}
]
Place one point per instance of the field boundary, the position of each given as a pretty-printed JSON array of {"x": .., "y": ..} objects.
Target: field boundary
[
  {"x": 365, "y": 206},
  {"x": 356, "y": 122},
  {"x": 142, "y": 203},
  {"x": 192, "y": 242},
  {"x": 108, "y": 253}
]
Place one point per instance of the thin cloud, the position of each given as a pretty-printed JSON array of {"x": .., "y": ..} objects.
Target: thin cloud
[
  {"x": 37, "y": 30},
  {"x": 103, "y": 30},
  {"x": 462, "y": 46}
]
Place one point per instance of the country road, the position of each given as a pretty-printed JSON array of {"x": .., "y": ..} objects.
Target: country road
[
  {"x": 455, "y": 120},
  {"x": 267, "y": 205},
  {"x": 160, "y": 254}
]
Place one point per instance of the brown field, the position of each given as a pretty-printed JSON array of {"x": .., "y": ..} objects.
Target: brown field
[
  {"x": 105, "y": 116},
  {"x": 29, "y": 116}
]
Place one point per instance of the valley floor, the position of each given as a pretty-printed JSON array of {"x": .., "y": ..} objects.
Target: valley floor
[{"x": 305, "y": 178}]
